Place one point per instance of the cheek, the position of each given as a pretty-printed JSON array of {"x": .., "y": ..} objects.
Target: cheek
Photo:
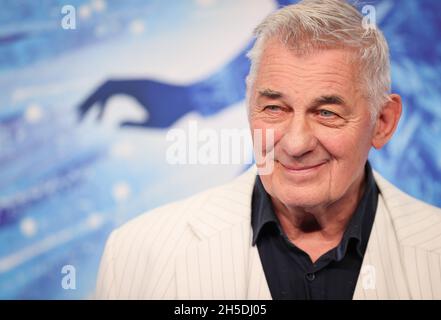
[
  {"x": 349, "y": 150},
  {"x": 344, "y": 144},
  {"x": 268, "y": 133},
  {"x": 337, "y": 144}
]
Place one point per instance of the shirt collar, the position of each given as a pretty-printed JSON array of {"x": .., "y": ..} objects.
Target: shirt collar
[
  {"x": 262, "y": 212},
  {"x": 359, "y": 226}
]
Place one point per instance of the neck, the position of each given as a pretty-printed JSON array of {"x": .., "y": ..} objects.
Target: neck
[{"x": 318, "y": 229}]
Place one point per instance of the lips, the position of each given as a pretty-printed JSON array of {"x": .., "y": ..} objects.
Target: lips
[{"x": 300, "y": 168}]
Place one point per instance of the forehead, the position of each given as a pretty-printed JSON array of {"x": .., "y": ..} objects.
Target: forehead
[{"x": 286, "y": 69}]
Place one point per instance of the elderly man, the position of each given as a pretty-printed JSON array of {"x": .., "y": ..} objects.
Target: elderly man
[{"x": 319, "y": 225}]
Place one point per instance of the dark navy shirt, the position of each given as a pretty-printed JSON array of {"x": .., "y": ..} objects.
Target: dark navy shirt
[{"x": 290, "y": 272}]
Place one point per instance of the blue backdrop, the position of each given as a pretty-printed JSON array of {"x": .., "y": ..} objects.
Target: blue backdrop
[{"x": 84, "y": 113}]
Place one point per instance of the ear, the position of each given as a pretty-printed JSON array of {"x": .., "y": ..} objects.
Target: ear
[{"x": 387, "y": 121}]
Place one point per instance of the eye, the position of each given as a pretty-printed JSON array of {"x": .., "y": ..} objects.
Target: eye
[
  {"x": 272, "y": 108},
  {"x": 326, "y": 113}
]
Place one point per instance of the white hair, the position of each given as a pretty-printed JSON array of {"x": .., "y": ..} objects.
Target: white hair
[{"x": 324, "y": 24}]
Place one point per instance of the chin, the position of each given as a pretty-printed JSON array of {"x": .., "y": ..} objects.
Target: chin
[
  {"x": 302, "y": 198},
  {"x": 302, "y": 193}
]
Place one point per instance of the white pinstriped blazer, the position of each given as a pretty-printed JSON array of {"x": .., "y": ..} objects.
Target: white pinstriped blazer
[{"x": 200, "y": 248}]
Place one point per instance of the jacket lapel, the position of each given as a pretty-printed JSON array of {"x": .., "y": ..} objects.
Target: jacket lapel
[
  {"x": 257, "y": 285},
  {"x": 382, "y": 275},
  {"x": 223, "y": 264}
]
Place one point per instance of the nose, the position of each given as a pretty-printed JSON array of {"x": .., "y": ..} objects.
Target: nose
[{"x": 299, "y": 138}]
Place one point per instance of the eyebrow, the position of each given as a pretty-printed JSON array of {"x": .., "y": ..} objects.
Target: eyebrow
[
  {"x": 328, "y": 99},
  {"x": 269, "y": 93},
  {"x": 317, "y": 102}
]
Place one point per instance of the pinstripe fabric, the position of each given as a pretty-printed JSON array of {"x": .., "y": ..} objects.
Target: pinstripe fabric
[{"x": 200, "y": 248}]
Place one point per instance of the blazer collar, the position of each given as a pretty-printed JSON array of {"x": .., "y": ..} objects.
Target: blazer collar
[
  {"x": 224, "y": 206},
  {"x": 232, "y": 266}
]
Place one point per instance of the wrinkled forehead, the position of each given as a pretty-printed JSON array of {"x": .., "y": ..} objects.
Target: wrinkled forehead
[
  {"x": 276, "y": 48},
  {"x": 299, "y": 67}
]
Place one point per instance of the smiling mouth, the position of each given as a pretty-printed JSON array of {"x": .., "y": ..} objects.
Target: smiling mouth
[{"x": 300, "y": 169}]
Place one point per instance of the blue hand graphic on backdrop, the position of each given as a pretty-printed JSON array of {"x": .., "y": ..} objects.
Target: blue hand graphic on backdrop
[{"x": 166, "y": 103}]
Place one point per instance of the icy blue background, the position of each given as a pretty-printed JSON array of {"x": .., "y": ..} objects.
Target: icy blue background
[{"x": 65, "y": 183}]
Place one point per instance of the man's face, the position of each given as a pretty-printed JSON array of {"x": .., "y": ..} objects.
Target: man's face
[{"x": 321, "y": 122}]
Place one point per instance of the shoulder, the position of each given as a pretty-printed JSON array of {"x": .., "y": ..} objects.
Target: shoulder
[
  {"x": 176, "y": 215},
  {"x": 155, "y": 224},
  {"x": 155, "y": 238},
  {"x": 417, "y": 223}
]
